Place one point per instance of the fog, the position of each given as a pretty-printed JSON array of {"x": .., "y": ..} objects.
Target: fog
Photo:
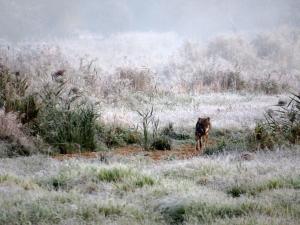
[{"x": 39, "y": 19}]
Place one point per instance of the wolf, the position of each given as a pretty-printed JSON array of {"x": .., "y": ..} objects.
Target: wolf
[{"x": 203, "y": 126}]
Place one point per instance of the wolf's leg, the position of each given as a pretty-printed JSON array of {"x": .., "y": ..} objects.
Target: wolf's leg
[
  {"x": 197, "y": 143},
  {"x": 200, "y": 143},
  {"x": 205, "y": 140}
]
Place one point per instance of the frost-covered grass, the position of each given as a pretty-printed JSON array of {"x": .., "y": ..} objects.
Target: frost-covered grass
[
  {"x": 226, "y": 110},
  {"x": 219, "y": 189}
]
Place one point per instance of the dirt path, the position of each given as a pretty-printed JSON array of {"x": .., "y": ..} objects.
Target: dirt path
[{"x": 183, "y": 152}]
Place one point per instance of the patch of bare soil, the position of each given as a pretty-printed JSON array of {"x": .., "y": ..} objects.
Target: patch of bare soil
[
  {"x": 86, "y": 155},
  {"x": 182, "y": 152}
]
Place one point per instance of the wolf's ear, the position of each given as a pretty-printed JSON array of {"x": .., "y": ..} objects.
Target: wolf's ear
[{"x": 208, "y": 118}]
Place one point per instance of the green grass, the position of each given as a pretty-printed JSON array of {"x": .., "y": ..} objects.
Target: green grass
[
  {"x": 143, "y": 181},
  {"x": 121, "y": 178},
  {"x": 113, "y": 175},
  {"x": 126, "y": 180},
  {"x": 69, "y": 130}
]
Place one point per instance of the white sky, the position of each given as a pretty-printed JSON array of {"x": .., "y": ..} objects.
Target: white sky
[{"x": 199, "y": 18}]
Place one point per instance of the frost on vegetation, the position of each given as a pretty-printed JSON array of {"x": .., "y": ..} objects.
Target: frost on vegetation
[
  {"x": 89, "y": 178},
  {"x": 13, "y": 140},
  {"x": 267, "y": 63},
  {"x": 207, "y": 190},
  {"x": 172, "y": 71}
]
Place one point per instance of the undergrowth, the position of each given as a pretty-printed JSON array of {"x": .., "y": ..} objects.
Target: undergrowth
[{"x": 281, "y": 126}]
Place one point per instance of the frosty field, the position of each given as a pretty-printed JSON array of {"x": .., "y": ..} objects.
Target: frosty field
[
  {"x": 227, "y": 110},
  {"x": 219, "y": 189},
  {"x": 99, "y": 128}
]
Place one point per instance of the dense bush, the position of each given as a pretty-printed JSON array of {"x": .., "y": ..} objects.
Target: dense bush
[
  {"x": 55, "y": 113},
  {"x": 18, "y": 106},
  {"x": 117, "y": 136},
  {"x": 68, "y": 129},
  {"x": 161, "y": 143},
  {"x": 281, "y": 126},
  {"x": 139, "y": 80},
  {"x": 262, "y": 138},
  {"x": 14, "y": 96},
  {"x": 59, "y": 115},
  {"x": 27, "y": 108}
]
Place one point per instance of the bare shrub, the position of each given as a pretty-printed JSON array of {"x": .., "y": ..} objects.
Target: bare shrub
[
  {"x": 139, "y": 80},
  {"x": 146, "y": 117},
  {"x": 203, "y": 81},
  {"x": 232, "y": 81},
  {"x": 271, "y": 84}
]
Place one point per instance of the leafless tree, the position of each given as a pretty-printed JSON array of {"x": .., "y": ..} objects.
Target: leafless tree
[{"x": 146, "y": 116}]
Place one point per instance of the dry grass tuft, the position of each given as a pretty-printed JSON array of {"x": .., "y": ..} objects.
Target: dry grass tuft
[{"x": 11, "y": 132}]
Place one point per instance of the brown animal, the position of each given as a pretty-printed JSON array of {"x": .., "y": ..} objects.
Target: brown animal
[{"x": 203, "y": 127}]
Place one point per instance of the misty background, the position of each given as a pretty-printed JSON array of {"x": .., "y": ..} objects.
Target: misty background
[
  {"x": 185, "y": 45},
  {"x": 122, "y": 51},
  {"x": 39, "y": 19}
]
